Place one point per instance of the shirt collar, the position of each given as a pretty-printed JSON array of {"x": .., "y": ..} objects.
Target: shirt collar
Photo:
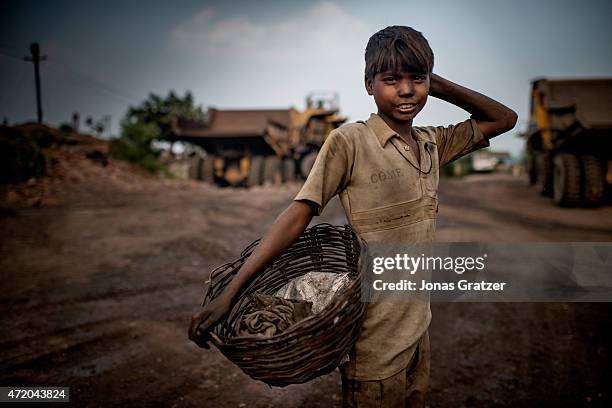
[{"x": 383, "y": 132}]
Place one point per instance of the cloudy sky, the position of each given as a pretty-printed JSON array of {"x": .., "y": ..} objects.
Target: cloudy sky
[{"x": 270, "y": 54}]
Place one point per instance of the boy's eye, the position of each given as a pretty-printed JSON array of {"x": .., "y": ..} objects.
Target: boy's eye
[{"x": 389, "y": 79}]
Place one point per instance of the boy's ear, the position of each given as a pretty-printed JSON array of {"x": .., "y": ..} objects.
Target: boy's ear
[{"x": 369, "y": 86}]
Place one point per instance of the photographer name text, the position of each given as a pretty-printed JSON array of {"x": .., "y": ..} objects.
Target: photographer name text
[{"x": 465, "y": 285}]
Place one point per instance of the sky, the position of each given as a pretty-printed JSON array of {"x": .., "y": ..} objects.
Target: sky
[{"x": 105, "y": 56}]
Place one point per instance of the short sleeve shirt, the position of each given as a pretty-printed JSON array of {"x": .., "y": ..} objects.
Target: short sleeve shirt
[{"x": 388, "y": 197}]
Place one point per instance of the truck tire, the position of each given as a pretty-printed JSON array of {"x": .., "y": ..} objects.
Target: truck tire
[
  {"x": 544, "y": 171},
  {"x": 594, "y": 181},
  {"x": 307, "y": 163},
  {"x": 255, "y": 171},
  {"x": 193, "y": 172},
  {"x": 531, "y": 170},
  {"x": 272, "y": 170},
  {"x": 567, "y": 179},
  {"x": 288, "y": 170},
  {"x": 207, "y": 170}
]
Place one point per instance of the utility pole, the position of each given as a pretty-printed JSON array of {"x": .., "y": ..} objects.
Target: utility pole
[{"x": 36, "y": 58}]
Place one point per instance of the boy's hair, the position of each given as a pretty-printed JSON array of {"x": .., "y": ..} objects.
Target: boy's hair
[{"x": 396, "y": 49}]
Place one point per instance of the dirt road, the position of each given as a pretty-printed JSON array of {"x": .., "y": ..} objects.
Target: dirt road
[{"x": 98, "y": 289}]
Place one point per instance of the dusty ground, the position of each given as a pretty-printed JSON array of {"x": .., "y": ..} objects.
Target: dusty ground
[{"x": 98, "y": 287}]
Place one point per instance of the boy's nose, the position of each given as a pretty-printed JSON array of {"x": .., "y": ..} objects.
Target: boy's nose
[{"x": 406, "y": 87}]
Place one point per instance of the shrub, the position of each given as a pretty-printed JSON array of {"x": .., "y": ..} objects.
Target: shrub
[{"x": 134, "y": 145}]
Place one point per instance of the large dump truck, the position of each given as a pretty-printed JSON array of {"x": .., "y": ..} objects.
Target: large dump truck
[
  {"x": 255, "y": 147},
  {"x": 569, "y": 140}
]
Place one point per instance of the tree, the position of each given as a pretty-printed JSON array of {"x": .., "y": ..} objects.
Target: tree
[
  {"x": 161, "y": 111},
  {"x": 98, "y": 126},
  {"x": 134, "y": 145},
  {"x": 66, "y": 127},
  {"x": 149, "y": 121}
]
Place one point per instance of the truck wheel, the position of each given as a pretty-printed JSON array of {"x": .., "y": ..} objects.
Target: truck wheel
[
  {"x": 544, "y": 170},
  {"x": 288, "y": 170},
  {"x": 531, "y": 170},
  {"x": 272, "y": 170},
  {"x": 255, "y": 171},
  {"x": 193, "y": 171},
  {"x": 567, "y": 177},
  {"x": 207, "y": 170},
  {"x": 307, "y": 163},
  {"x": 594, "y": 181}
]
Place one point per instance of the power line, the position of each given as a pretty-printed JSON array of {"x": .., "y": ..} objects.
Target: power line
[
  {"x": 11, "y": 52},
  {"x": 68, "y": 73},
  {"x": 98, "y": 85},
  {"x": 14, "y": 53},
  {"x": 11, "y": 56},
  {"x": 8, "y": 96}
]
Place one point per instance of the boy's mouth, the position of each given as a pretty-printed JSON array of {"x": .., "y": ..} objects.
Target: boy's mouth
[{"x": 405, "y": 107}]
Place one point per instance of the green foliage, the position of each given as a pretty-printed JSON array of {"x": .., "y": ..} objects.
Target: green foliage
[
  {"x": 134, "y": 145},
  {"x": 150, "y": 121},
  {"x": 66, "y": 127},
  {"x": 161, "y": 111},
  {"x": 457, "y": 168}
]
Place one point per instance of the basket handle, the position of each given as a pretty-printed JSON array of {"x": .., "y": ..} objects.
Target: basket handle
[
  {"x": 215, "y": 339},
  {"x": 220, "y": 273}
]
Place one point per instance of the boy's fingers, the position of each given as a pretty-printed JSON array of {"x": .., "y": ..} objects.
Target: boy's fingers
[
  {"x": 202, "y": 339},
  {"x": 196, "y": 322},
  {"x": 192, "y": 328},
  {"x": 200, "y": 342},
  {"x": 198, "y": 332}
]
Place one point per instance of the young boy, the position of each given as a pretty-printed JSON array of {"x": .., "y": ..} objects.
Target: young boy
[{"x": 386, "y": 172}]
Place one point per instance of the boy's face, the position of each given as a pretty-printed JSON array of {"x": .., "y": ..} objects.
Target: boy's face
[{"x": 399, "y": 96}]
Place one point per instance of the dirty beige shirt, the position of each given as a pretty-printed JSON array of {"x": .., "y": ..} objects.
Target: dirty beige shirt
[{"x": 387, "y": 200}]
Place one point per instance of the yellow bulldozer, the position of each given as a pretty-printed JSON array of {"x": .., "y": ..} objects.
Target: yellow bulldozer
[{"x": 254, "y": 147}]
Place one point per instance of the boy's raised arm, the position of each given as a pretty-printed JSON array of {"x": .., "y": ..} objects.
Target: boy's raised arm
[
  {"x": 492, "y": 117},
  {"x": 284, "y": 231}
]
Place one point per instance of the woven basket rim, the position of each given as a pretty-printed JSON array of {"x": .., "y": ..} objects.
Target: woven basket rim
[
  {"x": 325, "y": 336},
  {"x": 337, "y": 299}
]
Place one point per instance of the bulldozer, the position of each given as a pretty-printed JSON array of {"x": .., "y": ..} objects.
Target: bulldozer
[
  {"x": 569, "y": 140},
  {"x": 247, "y": 148}
]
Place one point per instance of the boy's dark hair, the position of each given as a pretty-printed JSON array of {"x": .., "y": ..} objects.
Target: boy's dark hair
[{"x": 396, "y": 49}]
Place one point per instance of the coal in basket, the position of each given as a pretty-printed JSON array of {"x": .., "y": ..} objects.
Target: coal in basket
[{"x": 315, "y": 345}]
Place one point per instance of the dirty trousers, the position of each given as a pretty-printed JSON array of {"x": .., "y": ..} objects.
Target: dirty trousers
[{"x": 407, "y": 388}]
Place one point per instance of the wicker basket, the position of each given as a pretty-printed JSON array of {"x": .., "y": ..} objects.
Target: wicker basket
[{"x": 314, "y": 346}]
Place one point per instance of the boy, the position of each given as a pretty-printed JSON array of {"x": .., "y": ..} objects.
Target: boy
[{"x": 386, "y": 173}]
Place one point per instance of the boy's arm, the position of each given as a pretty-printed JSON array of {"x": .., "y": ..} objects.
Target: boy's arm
[
  {"x": 492, "y": 117},
  {"x": 283, "y": 232}
]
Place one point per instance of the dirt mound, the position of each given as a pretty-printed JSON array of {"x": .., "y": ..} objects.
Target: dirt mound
[{"x": 42, "y": 166}]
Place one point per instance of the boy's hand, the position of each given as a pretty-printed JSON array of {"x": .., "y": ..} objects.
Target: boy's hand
[
  {"x": 434, "y": 85},
  {"x": 492, "y": 117},
  {"x": 204, "y": 320}
]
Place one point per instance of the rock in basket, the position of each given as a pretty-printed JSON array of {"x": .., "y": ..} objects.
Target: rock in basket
[{"x": 313, "y": 346}]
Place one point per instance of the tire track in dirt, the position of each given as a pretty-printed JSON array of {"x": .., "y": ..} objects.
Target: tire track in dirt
[
  {"x": 505, "y": 215},
  {"x": 58, "y": 337},
  {"x": 6, "y": 307},
  {"x": 48, "y": 357},
  {"x": 506, "y": 199}
]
